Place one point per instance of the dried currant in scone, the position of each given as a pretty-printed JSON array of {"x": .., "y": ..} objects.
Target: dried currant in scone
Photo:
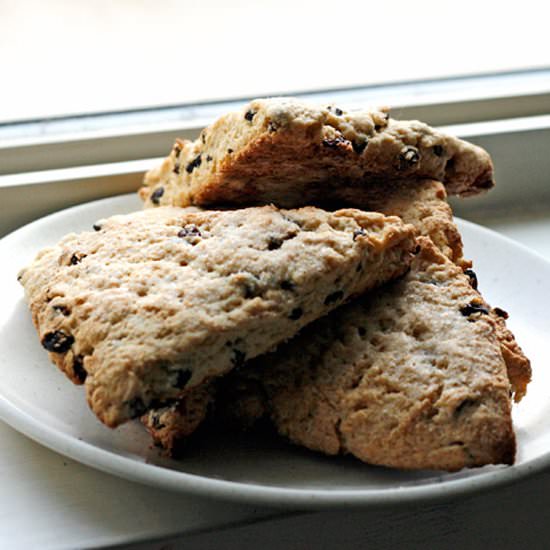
[
  {"x": 76, "y": 258},
  {"x": 176, "y": 150},
  {"x": 252, "y": 287},
  {"x": 296, "y": 313},
  {"x": 287, "y": 285},
  {"x": 337, "y": 111},
  {"x": 360, "y": 144},
  {"x": 500, "y": 312},
  {"x": 156, "y": 421},
  {"x": 273, "y": 243},
  {"x": 473, "y": 307},
  {"x": 156, "y": 195},
  {"x": 438, "y": 150},
  {"x": 78, "y": 368},
  {"x": 335, "y": 143},
  {"x": 57, "y": 341},
  {"x": 334, "y": 297},
  {"x": 190, "y": 230},
  {"x": 408, "y": 157},
  {"x": 195, "y": 163},
  {"x": 182, "y": 377},
  {"x": 238, "y": 358},
  {"x": 64, "y": 310},
  {"x": 359, "y": 232},
  {"x": 190, "y": 233},
  {"x": 472, "y": 276}
]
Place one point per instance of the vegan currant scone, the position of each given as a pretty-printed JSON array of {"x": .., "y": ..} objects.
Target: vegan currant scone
[
  {"x": 155, "y": 303},
  {"x": 411, "y": 377},
  {"x": 291, "y": 153}
]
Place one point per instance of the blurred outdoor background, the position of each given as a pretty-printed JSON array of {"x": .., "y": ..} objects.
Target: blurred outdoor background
[{"x": 61, "y": 57}]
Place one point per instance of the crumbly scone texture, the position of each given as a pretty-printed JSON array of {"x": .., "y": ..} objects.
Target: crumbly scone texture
[
  {"x": 421, "y": 203},
  {"x": 288, "y": 152},
  {"x": 424, "y": 205},
  {"x": 412, "y": 377},
  {"x": 157, "y": 302}
]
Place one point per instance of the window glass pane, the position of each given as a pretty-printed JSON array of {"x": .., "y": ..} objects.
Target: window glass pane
[{"x": 63, "y": 57}]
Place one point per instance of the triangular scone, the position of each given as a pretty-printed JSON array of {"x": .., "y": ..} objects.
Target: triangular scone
[
  {"x": 412, "y": 377},
  {"x": 289, "y": 152},
  {"x": 157, "y": 302}
]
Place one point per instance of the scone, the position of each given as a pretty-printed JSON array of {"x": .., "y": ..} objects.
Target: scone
[
  {"x": 411, "y": 377},
  {"x": 291, "y": 153},
  {"x": 157, "y": 302}
]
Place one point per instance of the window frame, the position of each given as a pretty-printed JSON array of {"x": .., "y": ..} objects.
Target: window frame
[{"x": 51, "y": 164}]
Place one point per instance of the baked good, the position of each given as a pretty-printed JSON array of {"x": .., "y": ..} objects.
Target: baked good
[
  {"x": 421, "y": 203},
  {"x": 412, "y": 377},
  {"x": 156, "y": 302},
  {"x": 291, "y": 153},
  {"x": 239, "y": 399}
]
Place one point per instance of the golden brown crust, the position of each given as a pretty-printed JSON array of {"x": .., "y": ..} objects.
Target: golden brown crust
[
  {"x": 424, "y": 205},
  {"x": 517, "y": 364},
  {"x": 285, "y": 151}
]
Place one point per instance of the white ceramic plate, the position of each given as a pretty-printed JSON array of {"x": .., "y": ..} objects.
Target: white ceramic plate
[{"x": 37, "y": 400}]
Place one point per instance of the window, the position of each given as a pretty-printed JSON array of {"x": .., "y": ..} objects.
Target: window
[
  {"x": 65, "y": 58},
  {"x": 94, "y": 92}
]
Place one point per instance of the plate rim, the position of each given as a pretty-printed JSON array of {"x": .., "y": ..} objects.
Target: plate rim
[{"x": 246, "y": 492}]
